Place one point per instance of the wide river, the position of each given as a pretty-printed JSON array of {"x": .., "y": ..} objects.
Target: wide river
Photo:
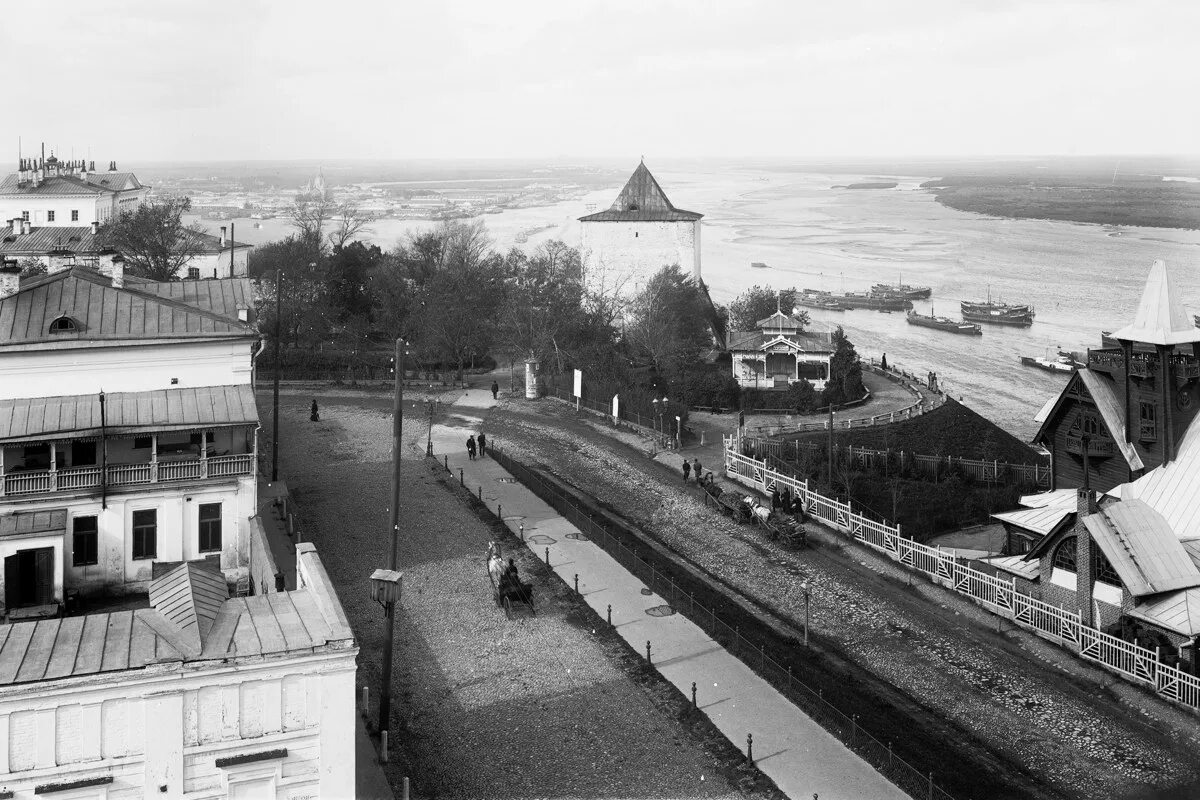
[{"x": 1081, "y": 278}]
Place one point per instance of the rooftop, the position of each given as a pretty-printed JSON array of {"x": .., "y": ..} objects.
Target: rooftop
[
  {"x": 1142, "y": 548},
  {"x": 642, "y": 200},
  {"x": 101, "y": 313},
  {"x": 76, "y": 239},
  {"x": 1160, "y": 317},
  {"x": 57, "y": 185}
]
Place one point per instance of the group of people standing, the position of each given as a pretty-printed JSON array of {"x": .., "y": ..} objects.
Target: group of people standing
[
  {"x": 786, "y": 501},
  {"x": 472, "y": 447},
  {"x": 693, "y": 467}
]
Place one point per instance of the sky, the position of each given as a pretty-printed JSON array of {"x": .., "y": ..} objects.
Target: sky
[{"x": 146, "y": 80}]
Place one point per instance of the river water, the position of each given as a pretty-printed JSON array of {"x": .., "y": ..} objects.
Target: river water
[{"x": 1080, "y": 278}]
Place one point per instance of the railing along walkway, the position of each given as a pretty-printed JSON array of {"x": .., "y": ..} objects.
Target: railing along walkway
[{"x": 16, "y": 483}]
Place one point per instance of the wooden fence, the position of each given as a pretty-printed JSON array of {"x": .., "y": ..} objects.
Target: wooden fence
[
  {"x": 998, "y": 595},
  {"x": 1033, "y": 475}
]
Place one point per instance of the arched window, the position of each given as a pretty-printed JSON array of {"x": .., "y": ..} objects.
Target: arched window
[
  {"x": 1064, "y": 554},
  {"x": 63, "y": 324},
  {"x": 1105, "y": 571}
]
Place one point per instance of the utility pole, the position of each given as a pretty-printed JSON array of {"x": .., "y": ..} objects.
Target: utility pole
[
  {"x": 278, "y": 368},
  {"x": 385, "y": 691},
  {"x": 830, "y": 446}
]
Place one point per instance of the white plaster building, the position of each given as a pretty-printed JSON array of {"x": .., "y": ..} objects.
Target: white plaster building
[
  {"x": 199, "y": 695},
  {"x": 642, "y": 232},
  {"x": 127, "y": 432},
  {"x": 49, "y": 192},
  {"x": 779, "y": 353}
]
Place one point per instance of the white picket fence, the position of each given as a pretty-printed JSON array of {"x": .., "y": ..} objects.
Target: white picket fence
[{"x": 998, "y": 595}]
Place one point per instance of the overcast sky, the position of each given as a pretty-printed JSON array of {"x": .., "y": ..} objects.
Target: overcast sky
[{"x": 146, "y": 80}]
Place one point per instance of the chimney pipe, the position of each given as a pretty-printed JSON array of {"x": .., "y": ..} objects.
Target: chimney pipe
[
  {"x": 223, "y": 235},
  {"x": 95, "y": 227},
  {"x": 10, "y": 280},
  {"x": 118, "y": 272},
  {"x": 25, "y": 227}
]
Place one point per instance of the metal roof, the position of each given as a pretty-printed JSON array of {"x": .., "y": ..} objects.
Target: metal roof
[
  {"x": 1043, "y": 520},
  {"x": 249, "y": 627},
  {"x": 1017, "y": 565},
  {"x": 102, "y": 312},
  {"x": 1173, "y": 489},
  {"x": 223, "y": 296},
  {"x": 642, "y": 200},
  {"x": 53, "y": 185},
  {"x": 22, "y": 523},
  {"x": 78, "y": 416},
  {"x": 1101, "y": 391},
  {"x": 190, "y": 596},
  {"x": 77, "y": 239},
  {"x": 1056, "y": 497},
  {"x": 1177, "y": 611},
  {"x": 809, "y": 342},
  {"x": 779, "y": 321},
  {"x": 1160, "y": 317},
  {"x": 1142, "y": 548},
  {"x": 114, "y": 181}
]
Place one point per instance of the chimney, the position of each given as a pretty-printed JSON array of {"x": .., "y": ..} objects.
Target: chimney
[
  {"x": 112, "y": 166},
  {"x": 25, "y": 227},
  {"x": 10, "y": 280},
  {"x": 118, "y": 272},
  {"x": 222, "y": 236},
  {"x": 92, "y": 167},
  {"x": 95, "y": 227}
]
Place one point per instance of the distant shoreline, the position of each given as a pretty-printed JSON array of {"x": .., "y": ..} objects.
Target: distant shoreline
[{"x": 1143, "y": 203}]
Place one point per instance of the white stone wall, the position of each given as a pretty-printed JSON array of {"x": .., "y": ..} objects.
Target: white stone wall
[
  {"x": 624, "y": 255},
  {"x": 130, "y": 368},
  {"x": 159, "y": 731},
  {"x": 89, "y": 208},
  {"x": 216, "y": 265},
  {"x": 178, "y": 535}
]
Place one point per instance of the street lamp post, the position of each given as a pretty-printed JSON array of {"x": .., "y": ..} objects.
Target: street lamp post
[
  {"x": 678, "y": 432},
  {"x": 385, "y": 691},
  {"x": 429, "y": 440},
  {"x": 830, "y": 473}
]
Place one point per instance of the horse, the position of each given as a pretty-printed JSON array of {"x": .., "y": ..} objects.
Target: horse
[{"x": 495, "y": 563}]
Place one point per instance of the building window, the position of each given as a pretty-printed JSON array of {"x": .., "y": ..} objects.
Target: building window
[
  {"x": 145, "y": 534},
  {"x": 1064, "y": 555},
  {"x": 63, "y": 325},
  {"x": 83, "y": 454},
  {"x": 1104, "y": 570},
  {"x": 36, "y": 456},
  {"x": 25, "y": 216},
  {"x": 83, "y": 538},
  {"x": 210, "y": 527},
  {"x": 193, "y": 273},
  {"x": 75, "y": 215},
  {"x": 142, "y": 442},
  {"x": 49, "y": 216},
  {"x": 1149, "y": 421},
  {"x": 1091, "y": 425}
]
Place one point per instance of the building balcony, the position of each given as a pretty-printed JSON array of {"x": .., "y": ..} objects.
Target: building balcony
[
  {"x": 1096, "y": 448},
  {"x": 120, "y": 475}
]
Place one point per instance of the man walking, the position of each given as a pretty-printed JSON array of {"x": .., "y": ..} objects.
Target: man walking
[
  {"x": 495, "y": 389},
  {"x": 482, "y": 445},
  {"x": 696, "y": 469},
  {"x": 471, "y": 447},
  {"x": 687, "y": 468}
]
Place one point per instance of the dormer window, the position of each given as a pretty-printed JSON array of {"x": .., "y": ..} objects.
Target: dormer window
[{"x": 63, "y": 324}]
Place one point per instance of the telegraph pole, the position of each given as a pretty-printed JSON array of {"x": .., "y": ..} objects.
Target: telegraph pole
[
  {"x": 278, "y": 368},
  {"x": 385, "y": 691}
]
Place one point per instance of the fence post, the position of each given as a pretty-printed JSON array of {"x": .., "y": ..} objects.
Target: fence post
[
  {"x": 693, "y": 695},
  {"x": 481, "y": 491},
  {"x": 576, "y": 583},
  {"x": 460, "y": 477},
  {"x": 648, "y": 652},
  {"x": 610, "y": 615},
  {"x": 547, "y": 556},
  {"x": 750, "y": 748}
]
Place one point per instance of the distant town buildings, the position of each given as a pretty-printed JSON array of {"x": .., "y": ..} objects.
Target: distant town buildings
[{"x": 642, "y": 232}]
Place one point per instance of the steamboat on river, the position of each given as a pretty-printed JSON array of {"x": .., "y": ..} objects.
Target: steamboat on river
[
  {"x": 944, "y": 324},
  {"x": 998, "y": 313}
]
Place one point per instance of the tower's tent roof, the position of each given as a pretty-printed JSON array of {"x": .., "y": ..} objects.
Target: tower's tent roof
[
  {"x": 1160, "y": 318},
  {"x": 642, "y": 200}
]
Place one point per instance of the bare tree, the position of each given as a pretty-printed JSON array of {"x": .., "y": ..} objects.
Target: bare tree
[
  {"x": 349, "y": 222},
  {"x": 154, "y": 240},
  {"x": 314, "y": 211}
]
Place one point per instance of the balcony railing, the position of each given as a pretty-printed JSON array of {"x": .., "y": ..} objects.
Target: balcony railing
[
  {"x": 1097, "y": 448},
  {"x": 1144, "y": 365},
  {"x": 14, "y": 483}
]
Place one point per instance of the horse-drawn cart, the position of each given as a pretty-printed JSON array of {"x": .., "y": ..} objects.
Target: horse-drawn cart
[{"x": 507, "y": 587}]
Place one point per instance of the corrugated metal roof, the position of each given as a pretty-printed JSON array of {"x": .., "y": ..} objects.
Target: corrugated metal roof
[
  {"x": 1038, "y": 520},
  {"x": 642, "y": 200},
  {"x": 103, "y": 313},
  {"x": 1160, "y": 317},
  {"x": 1045, "y": 410},
  {"x": 21, "y": 523},
  {"x": 190, "y": 596},
  {"x": 1058, "y": 497},
  {"x": 114, "y": 181},
  {"x": 224, "y": 296},
  {"x": 1101, "y": 391},
  {"x": 77, "y": 416},
  {"x": 1173, "y": 489},
  {"x": 1017, "y": 565},
  {"x": 1177, "y": 611},
  {"x": 55, "y": 185},
  {"x": 283, "y": 622},
  {"x": 779, "y": 321},
  {"x": 1142, "y": 548},
  {"x": 808, "y": 341}
]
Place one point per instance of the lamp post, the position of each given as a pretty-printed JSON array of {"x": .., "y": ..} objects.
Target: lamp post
[
  {"x": 830, "y": 473},
  {"x": 385, "y": 590},
  {"x": 429, "y": 439},
  {"x": 656, "y": 415},
  {"x": 678, "y": 432},
  {"x": 385, "y": 691}
]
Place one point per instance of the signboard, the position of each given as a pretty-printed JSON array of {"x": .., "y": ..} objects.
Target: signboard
[{"x": 579, "y": 383}]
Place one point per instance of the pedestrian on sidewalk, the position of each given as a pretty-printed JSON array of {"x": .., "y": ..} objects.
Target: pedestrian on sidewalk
[
  {"x": 697, "y": 471},
  {"x": 687, "y": 468},
  {"x": 775, "y": 498},
  {"x": 314, "y": 413},
  {"x": 785, "y": 499},
  {"x": 471, "y": 447},
  {"x": 495, "y": 389},
  {"x": 482, "y": 445}
]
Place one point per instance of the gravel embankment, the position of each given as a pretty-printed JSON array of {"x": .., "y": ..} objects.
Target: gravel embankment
[
  {"x": 1073, "y": 727},
  {"x": 484, "y": 707}
]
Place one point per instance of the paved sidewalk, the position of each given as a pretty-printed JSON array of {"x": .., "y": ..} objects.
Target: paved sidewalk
[{"x": 800, "y": 756}]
